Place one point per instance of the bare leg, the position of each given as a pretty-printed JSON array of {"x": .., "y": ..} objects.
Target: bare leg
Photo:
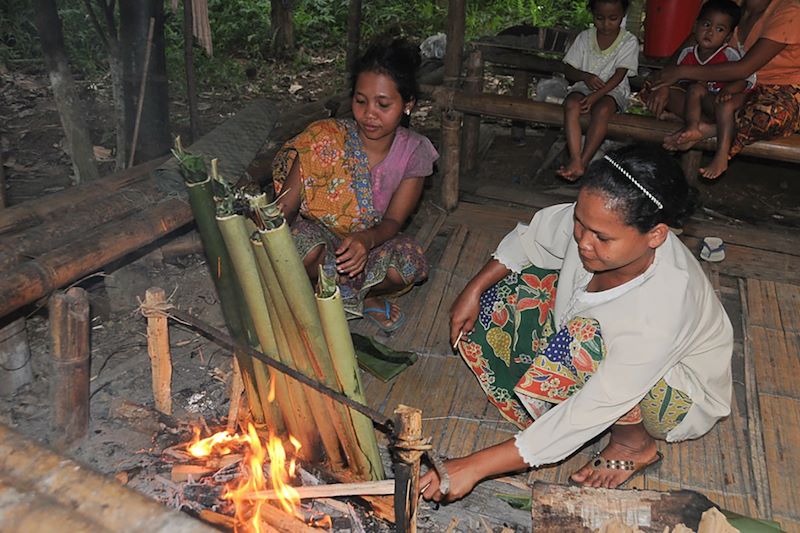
[
  {"x": 692, "y": 114},
  {"x": 676, "y": 104},
  {"x": 601, "y": 112},
  {"x": 628, "y": 442},
  {"x": 572, "y": 130},
  {"x": 393, "y": 282},
  {"x": 726, "y": 129}
]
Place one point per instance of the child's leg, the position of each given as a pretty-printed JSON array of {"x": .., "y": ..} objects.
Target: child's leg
[
  {"x": 692, "y": 114},
  {"x": 601, "y": 112},
  {"x": 572, "y": 131},
  {"x": 726, "y": 129},
  {"x": 676, "y": 103}
]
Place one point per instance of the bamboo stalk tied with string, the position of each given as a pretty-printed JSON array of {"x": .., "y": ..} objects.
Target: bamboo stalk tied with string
[{"x": 237, "y": 319}]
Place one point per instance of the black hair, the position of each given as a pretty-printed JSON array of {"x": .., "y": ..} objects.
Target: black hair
[
  {"x": 625, "y": 4},
  {"x": 726, "y": 7},
  {"x": 399, "y": 59},
  {"x": 658, "y": 173}
]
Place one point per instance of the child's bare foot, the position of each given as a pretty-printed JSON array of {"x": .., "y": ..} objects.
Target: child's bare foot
[
  {"x": 716, "y": 168},
  {"x": 572, "y": 172}
]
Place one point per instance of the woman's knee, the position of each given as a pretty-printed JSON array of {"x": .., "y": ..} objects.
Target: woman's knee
[{"x": 314, "y": 258}]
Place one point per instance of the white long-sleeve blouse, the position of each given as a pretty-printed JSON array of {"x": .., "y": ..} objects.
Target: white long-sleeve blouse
[{"x": 667, "y": 323}]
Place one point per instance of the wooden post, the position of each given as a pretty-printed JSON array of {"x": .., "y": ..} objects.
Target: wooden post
[
  {"x": 451, "y": 126},
  {"x": 158, "y": 350},
  {"x": 690, "y": 161},
  {"x": 408, "y": 423},
  {"x": 69, "y": 332},
  {"x": 470, "y": 137},
  {"x": 237, "y": 389},
  {"x": 520, "y": 90},
  {"x": 456, "y": 20},
  {"x": 353, "y": 33},
  {"x": 188, "y": 59}
]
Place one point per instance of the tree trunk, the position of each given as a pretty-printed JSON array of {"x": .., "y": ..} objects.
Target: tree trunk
[
  {"x": 353, "y": 33},
  {"x": 282, "y": 28},
  {"x": 154, "y": 135},
  {"x": 70, "y": 107},
  {"x": 188, "y": 59},
  {"x": 118, "y": 95}
]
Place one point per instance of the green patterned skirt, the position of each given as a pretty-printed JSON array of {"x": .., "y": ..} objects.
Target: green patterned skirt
[{"x": 525, "y": 366}]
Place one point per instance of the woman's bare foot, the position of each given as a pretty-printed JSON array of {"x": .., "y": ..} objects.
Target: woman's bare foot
[
  {"x": 377, "y": 303},
  {"x": 716, "y": 168},
  {"x": 671, "y": 140},
  {"x": 572, "y": 172},
  {"x": 689, "y": 136},
  {"x": 627, "y": 444}
]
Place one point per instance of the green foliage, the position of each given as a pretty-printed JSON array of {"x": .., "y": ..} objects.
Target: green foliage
[{"x": 18, "y": 38}]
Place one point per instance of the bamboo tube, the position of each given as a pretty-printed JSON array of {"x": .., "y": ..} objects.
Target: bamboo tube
[
  {"x": 408, "y": 421},
  {"x": 290, "y": 273},
  {"x": 237, "y": 319},
  {"x": 343, "y": 356},
  {"x": 292, "y": 352},
  {"x": 234, "y": 234}
]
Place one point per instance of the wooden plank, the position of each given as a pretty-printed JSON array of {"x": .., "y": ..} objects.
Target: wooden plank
[
  {"x": 777, "y": 364},
  {"x": 489, "y": 217},
  {"x": 745, "y": 262},
  {"x": 754, "y": 422},
  {"x": 788, "y": 297},
  {"x": 781, "y": 419},
  {"x": 762, "y": 304}
]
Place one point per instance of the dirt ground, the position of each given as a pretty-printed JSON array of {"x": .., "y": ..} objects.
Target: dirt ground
[{"x": 36, "y": 165}]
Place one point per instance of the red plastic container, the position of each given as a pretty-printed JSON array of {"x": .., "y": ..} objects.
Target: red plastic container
[{"x": 667, "y": 24}]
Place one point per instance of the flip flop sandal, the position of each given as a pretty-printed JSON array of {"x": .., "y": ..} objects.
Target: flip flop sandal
[
  {"x": 387, "y": 313},
  {"x": 599, "y": 462},
  {"x": 712, "y": 250}
]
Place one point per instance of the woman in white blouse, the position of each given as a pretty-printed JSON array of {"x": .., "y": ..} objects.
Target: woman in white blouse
[{"x": 633, "y": 339}]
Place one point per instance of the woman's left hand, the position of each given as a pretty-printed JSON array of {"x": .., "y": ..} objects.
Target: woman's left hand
[
  {"x": 352, "y": 254},
  {"x": 669, "y": 75}
]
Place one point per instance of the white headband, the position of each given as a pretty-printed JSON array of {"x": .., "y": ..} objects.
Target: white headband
[{"x": 633, "y": 180}]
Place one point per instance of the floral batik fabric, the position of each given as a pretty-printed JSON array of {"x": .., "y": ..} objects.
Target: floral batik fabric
[
  {"x": 525, "y": 366},
  {"x": 770, "y": 112}
]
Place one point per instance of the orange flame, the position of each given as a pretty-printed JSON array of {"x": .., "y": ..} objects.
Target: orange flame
[
  {"x": 252, "y": 479},
  {"x": 221, "y": 443}
]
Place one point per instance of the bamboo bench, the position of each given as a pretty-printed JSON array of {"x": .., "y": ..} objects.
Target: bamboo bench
[{"x": 636, "y": 127}]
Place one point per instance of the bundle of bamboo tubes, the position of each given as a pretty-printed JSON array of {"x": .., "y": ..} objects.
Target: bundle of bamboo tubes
[{"x": 281, "y": 315}]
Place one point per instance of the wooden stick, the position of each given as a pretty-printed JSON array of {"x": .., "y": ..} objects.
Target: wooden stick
[
  {"x": 158, "y": 350},
  {"x": 365, "y": 488},
  {"x": 408, "y": 422},
  {"x": 282, "y": 521},
  {"x": 142, "y": 87},
  {"x": 451, "y": 147},
  {"x": 237, "y": 389},
  {"x": 69, "y": 332}
]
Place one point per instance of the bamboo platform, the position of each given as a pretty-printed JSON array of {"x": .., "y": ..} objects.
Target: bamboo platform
[{"x": 749, "y": 463}]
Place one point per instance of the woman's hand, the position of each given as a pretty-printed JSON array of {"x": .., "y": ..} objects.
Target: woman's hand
[
  {"x": 668, "y": 76},
  {"x": 352, "y": 254},
  {"x": 656, "y": 101},
  {"x": 463, "y": 478},
  {"x": 464, "y": 313}
]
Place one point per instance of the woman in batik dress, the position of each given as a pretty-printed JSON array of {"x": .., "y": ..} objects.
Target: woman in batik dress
[{"x": 595, "y": 316}]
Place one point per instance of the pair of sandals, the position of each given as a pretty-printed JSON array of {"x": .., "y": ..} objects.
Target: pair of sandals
[{"x": 385, "y": 322}]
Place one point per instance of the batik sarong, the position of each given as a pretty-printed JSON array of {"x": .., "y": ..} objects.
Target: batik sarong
[{"x": 770, "y": 112}]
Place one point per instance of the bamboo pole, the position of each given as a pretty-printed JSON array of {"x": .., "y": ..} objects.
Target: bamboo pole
[
  {"x": 343, "y": 356},
  {"x": 290, "y": 272},
  {"x": 142, "y": 87},
  {"x": 408, "y": 422},
  {"x": 158, "y": 350},
  {"x": 471, "y": 131},
  {"x": 294, "y": 353},
  {"x": 69, "y": 332},
  {"x": 234, "y": 234},
  {"x": 234, "y": 311},
  {"x": 456, "y": 21},
  {"x": 451, "y": 140}
]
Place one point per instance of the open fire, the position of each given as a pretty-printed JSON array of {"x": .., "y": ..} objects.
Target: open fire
[{"x": 249, "y": 511}]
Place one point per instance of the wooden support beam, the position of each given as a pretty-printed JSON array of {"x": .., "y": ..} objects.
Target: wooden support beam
[
  {"x": 519, "y": 89},
  {"x": 451, "y": 147},
  {"x": 158, "y": 350},
  {"x": 69, "y": 390},
  {"x": 456, "y": 21},
  {"x": 470, "y": 136},
  {"x": 409, "y": 446}
]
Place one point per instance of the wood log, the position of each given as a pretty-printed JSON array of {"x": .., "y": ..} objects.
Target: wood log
[
  {"x": 690, "y": 162},
  {"x": 284, "y": 522},
  {"x": 31, "y": 280},
  {"x": 93, "y": 495},
  {"x": 456, "y": 21},
  {"x": 556, "y": 508},
  {"x": 28, "y": 214},
  {"x": 408, "y": 422},
  {"x": 69, "y": 390},
  {"x": 237, "y": 389},
  {"x": 365, "y": 488},
  {"x": 451, "y": 146},
  {"x": 470, "y": 135},
  {"x": 643, "y": 129},
  {"x": 25, "y": 511},
  {"x": 158, "y": 350}
]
